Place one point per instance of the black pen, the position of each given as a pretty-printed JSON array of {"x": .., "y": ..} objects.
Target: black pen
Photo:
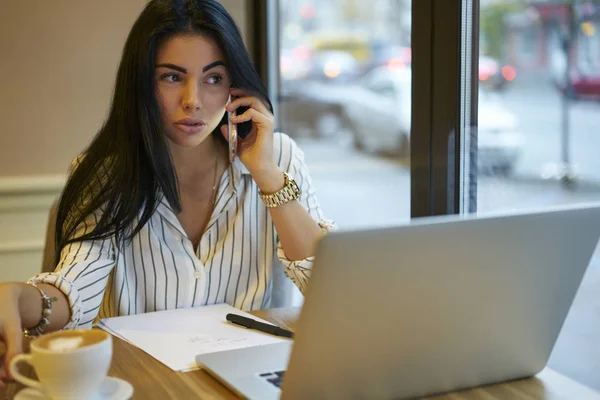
[{"x": 259, "y": 326}]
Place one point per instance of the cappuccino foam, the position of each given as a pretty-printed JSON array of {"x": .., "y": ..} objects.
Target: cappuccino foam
[{"x": 65, "y": 341}]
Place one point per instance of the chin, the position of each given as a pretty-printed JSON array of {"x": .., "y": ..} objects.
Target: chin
[{"x": 182, "y": 139}]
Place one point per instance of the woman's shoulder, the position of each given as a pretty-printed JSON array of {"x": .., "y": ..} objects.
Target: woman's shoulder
[
  {"x": 286, "y": 151},
  {"x": 282, "y": 142}
]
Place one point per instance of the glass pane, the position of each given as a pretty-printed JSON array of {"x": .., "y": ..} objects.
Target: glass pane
[
  {"x": 539, "y": 110},
  {"x": 539, "y": 132},
  {"x": 345, "y": 98}
]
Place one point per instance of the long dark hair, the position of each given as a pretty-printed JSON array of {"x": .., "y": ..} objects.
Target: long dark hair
[{"x": 127, "y": 167}]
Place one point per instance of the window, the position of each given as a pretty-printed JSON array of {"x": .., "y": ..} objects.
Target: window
[
  {"x": 344, "y": 96},
  {"x": 538, "y": 125}
]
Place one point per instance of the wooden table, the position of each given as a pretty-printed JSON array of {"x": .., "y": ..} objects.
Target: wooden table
[{"x": 153, "y": 380}]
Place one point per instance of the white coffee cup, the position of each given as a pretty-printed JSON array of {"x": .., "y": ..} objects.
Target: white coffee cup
[{"x": 69, "y": 364}]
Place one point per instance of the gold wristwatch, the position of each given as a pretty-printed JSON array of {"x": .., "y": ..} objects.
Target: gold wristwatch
[{"x": 289, "y": 192}]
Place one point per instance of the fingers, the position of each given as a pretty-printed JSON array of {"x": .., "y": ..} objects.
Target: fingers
[
  {"x": 14, "y": 342},
  {"x": 247, "y": 100},
  {"x": 5, "y": 379},
  {"x": 3, "y": 376},
  {"x": 12, "y": 335},
  {"x": 10, "y": 328},
  {"x": 2, "y": 359},
  {"x": 252, "y": 115}
]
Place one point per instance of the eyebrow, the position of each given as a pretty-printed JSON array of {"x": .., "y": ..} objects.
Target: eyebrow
[{"x": 183, "y": 70}]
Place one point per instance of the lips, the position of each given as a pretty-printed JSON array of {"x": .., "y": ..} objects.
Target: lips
[{"x": 190, "y": 125}]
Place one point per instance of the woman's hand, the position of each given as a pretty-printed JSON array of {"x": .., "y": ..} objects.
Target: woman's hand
[
  {"x": 10, "y": 324},
  {"x": 256, "y": 150}
]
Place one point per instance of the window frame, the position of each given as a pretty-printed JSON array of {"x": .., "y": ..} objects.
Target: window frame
[{"x": 444, "y": 107}]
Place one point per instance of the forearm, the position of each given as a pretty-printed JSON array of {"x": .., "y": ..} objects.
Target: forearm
[
  {"x": 297, "y": 230},
  {"x": 30, "y": 307}
]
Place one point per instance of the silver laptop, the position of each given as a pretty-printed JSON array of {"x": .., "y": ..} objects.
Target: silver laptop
[{"x": 435, "y": 306}]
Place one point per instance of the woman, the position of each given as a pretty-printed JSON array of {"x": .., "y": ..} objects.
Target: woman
[{"x": 154, "y": 215}]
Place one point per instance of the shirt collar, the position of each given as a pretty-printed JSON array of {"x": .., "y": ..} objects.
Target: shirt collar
[{"x": 237, "y": 170}]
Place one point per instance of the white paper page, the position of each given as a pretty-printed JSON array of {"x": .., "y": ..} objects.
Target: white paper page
[
  {"x": 176, "y": 337},
  {"x": 107, "y": 329}
]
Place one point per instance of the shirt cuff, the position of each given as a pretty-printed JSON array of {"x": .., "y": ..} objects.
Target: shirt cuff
[
  {"x": 299, "y": 271},
  {"x": 69, "y": 290}
]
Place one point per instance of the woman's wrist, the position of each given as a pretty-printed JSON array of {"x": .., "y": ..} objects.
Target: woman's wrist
[
  {"x": 269, "y": 180},
  {"x": 30, "y": 305}
]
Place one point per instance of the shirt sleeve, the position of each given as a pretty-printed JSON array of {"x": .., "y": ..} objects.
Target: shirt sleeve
[
  {"x": 83, "y": 271},
  {"x": 82, "y": 274},
  {"x": 299, "y": 271}
]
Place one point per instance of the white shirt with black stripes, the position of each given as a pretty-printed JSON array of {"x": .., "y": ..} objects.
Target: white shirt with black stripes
[{"x": 159, "y": 269}]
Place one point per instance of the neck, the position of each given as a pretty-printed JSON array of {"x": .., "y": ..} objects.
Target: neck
[{"x": 193, "y": 164}]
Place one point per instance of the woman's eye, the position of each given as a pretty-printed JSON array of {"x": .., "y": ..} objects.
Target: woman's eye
[
  {"x": 170, "y": 78},
  {"x": 215, "y": 79}
]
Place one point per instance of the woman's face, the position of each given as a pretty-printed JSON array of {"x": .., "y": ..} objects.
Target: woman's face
[{"x": 192, "y": 84}]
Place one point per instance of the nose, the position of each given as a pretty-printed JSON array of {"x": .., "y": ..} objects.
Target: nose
[{"x": 191, "y": 99}]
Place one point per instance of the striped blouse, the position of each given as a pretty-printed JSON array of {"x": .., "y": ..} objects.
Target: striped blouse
[{"x": 238, "y": 254}]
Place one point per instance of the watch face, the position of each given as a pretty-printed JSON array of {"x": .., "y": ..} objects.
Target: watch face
[{"x": 292, "y": 183}]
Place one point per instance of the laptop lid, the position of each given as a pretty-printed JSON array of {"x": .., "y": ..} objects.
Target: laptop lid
[{"x": 438, "y": 305}]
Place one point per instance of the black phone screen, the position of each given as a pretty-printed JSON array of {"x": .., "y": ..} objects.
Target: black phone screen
[{"x": 244, "y": 128}]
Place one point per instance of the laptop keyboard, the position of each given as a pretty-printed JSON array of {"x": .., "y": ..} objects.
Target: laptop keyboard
[{"x": 275, "y": 378}]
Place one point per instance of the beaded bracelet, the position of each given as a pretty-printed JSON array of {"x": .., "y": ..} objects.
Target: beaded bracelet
[{"x": 46, "y": 312}]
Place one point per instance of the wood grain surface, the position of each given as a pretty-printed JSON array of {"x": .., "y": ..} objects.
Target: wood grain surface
[{"x": 153, "y": 380}]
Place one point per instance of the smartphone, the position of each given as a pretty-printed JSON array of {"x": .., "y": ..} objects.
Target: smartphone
[
  {"x": 232, "y": 134},
  {"x": 236, "y": 130},
  {"x": 243, "y": 129}
]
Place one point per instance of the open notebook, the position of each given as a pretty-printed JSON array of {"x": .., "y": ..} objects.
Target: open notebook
[{"x": 176, "y": 337}]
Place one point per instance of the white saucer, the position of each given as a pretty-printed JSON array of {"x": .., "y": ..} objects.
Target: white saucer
[{"x": 110, "y": 389}]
